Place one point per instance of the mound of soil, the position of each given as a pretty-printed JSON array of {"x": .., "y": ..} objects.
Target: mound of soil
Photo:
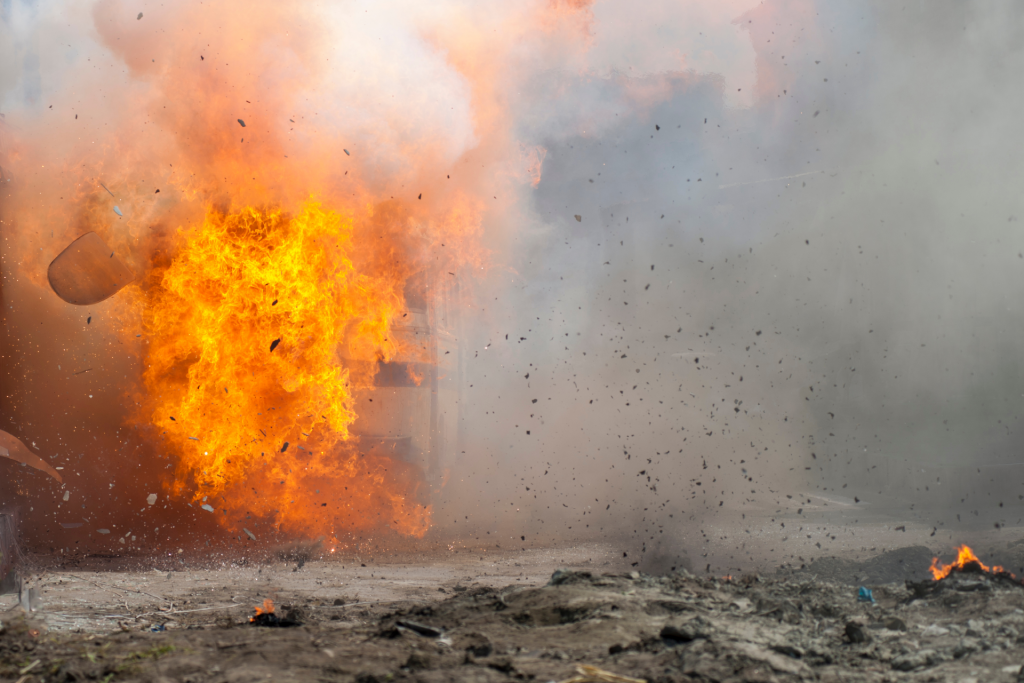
[{"x": 895, "y": 566}]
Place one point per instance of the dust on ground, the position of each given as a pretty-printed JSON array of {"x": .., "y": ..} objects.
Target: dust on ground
[{"x": 533, "y": 615}]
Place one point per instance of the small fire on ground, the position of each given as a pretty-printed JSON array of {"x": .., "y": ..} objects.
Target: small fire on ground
[
  {"x": 966, "y": 561},
  {"x": 264, "y": 614}
]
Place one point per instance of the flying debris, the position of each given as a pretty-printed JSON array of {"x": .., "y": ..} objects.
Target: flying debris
[
  {"x": 118, "y": 211},
  {"x": 241, "y": 122},
  {"x": 12, "y": 447},
  {"x": 88, "y": 272}
]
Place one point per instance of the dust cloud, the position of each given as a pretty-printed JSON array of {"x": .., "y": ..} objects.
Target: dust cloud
[
  {"x": 802, "y": 300},
  {"x": 722, "y": 262}
]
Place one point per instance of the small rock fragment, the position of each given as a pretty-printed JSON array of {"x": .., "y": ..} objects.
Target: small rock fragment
[
  {"x": 856, "y": 633},
  {"x": 687, "y": 631},
  {"x": 420, "y": 629},
  {"x": 916, "y": 660},
  {"x": 895, "y": 624}
]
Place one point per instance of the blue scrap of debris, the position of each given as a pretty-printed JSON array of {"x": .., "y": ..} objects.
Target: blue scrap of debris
[
  {"x": 864, "y": 595},
  {"x": 118, "y": 211}
]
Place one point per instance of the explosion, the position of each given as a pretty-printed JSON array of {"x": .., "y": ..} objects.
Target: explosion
[
  {"x": 245, "y": 380},
  {"x": 297, "y": 214}
]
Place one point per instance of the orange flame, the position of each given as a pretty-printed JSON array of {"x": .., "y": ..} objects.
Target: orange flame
[
  {"x": 268, "y": 608},
  {"x": 965, "y": 556},
  {"x": 249, "y": 324}
]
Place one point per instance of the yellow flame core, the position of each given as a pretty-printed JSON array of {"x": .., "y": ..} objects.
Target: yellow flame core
[{"x": 261, "y": 430}]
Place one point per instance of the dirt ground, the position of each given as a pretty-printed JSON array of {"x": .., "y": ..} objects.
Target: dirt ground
[{"x": 530, "y": 615}]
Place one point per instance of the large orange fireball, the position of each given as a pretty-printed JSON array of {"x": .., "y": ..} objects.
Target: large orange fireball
[{"x": 245, "y": 381}]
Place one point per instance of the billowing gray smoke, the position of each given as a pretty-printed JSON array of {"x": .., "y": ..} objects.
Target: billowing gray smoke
[{"x": 730, "y": 310}]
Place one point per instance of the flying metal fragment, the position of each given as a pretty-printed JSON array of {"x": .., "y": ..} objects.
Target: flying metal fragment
[
  {"x": 88, "y": 272},
  {"x": 118, "y": 211},
  {"x": 12, "y": 447}
]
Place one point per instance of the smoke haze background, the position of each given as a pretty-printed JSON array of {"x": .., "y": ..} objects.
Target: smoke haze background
[{"x": 793, "y": 277}]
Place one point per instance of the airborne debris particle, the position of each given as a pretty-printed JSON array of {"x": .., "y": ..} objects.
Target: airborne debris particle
[
  {"x": 118, "y": 211},
  {"x": 241, "y": 122},
  {"x": 207, "y": 507},
  {"x": 579, "y": 218},
  {"x": 273, "y": 344},
  {"x": 249, "y": 533},
  {"x": 346, "y": 152},
  {"x": 138, "y": 17},
  {"x": 284, "y": 447}
]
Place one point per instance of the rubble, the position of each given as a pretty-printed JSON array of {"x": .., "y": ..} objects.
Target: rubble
[{"x": 669, "y": 628}]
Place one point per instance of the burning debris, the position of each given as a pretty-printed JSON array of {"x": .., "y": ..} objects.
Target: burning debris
[
  {"x": 966, "y": 561},
  {"x": 265, "y": 616},
  {"x": 966, "y": 574}
]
